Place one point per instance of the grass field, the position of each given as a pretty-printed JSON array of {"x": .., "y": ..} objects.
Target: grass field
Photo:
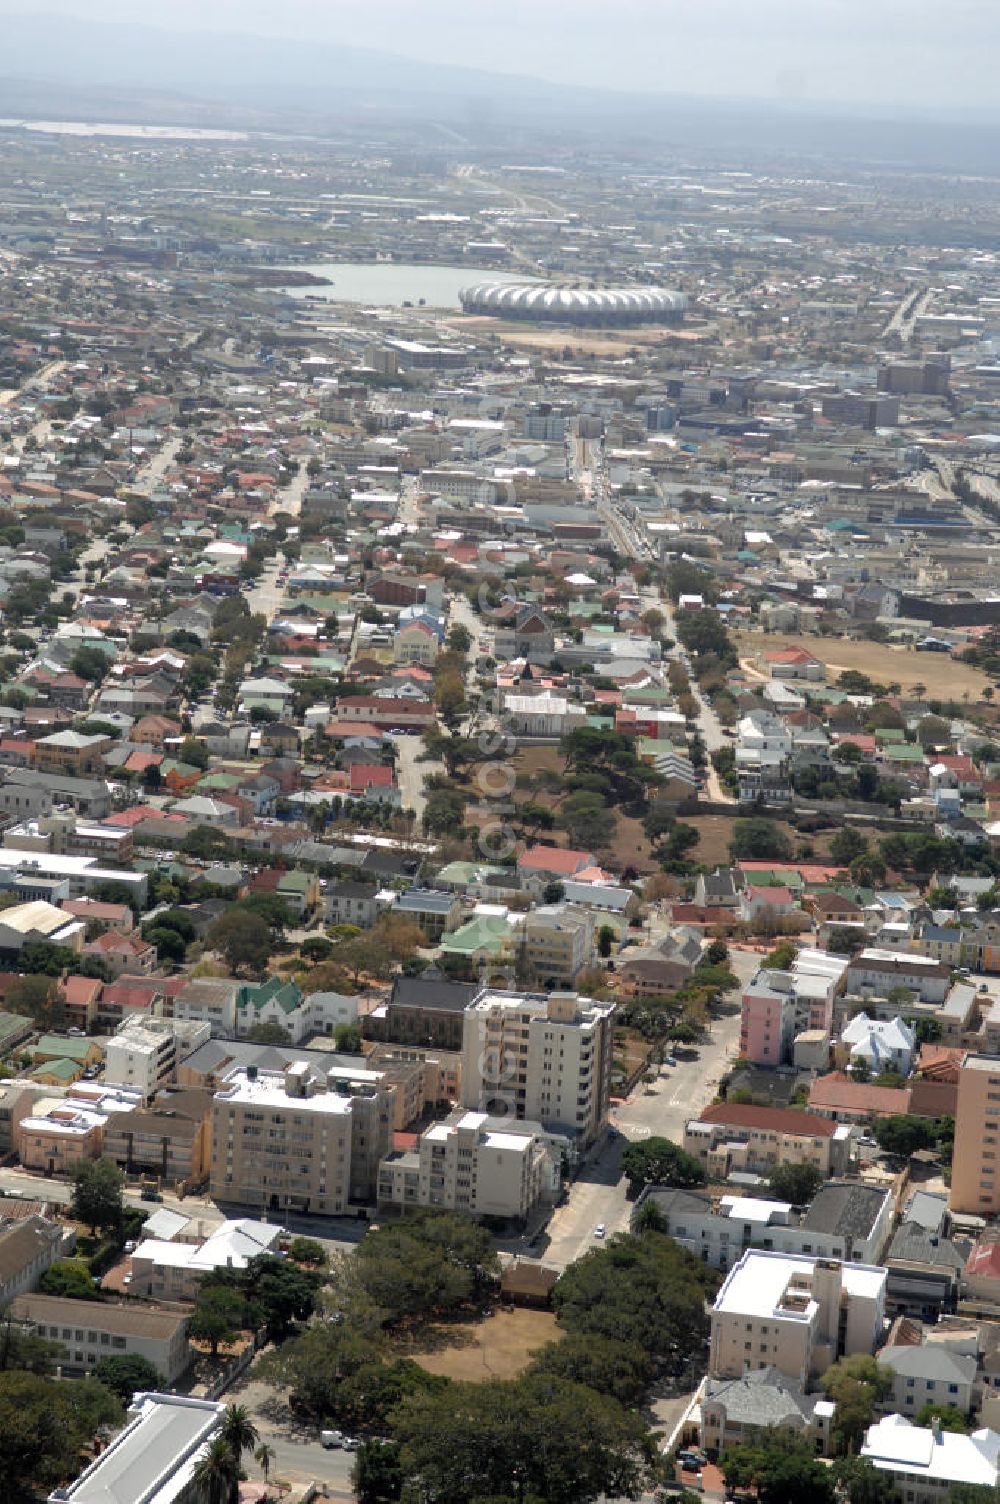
[
  {"x": 498, "y": 1347},
  {"x": 942, "y": 676}
]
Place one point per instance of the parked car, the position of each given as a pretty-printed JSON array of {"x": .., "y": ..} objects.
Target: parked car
[
  {"x": 331, "y": 1439},
  {"x": 600, "y": 1230},
  {"x": 350, "y": 1444}
]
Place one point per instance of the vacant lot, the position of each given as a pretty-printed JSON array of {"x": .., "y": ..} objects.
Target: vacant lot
[
  {"x": 498, "y": 1347},
  {"x": 942, "y": 676},
  {"x": 629, "y": 846}
]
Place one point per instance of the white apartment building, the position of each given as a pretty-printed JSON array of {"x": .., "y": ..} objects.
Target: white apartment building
[
  {"x": 541, "y": 1059},
  {"x": 472, "y": 1163},
  {"x": 144, "y": 1053},
  {"x": 794, "y": 1313},
  {"x": 283, "y": 1141},
  {"x": 925, "y": 1463}
]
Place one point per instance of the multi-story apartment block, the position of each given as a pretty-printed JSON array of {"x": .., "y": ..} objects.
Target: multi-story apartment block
[
  {"x": 472, "y": 1163},
  {"x": 543, "y": 1059},
  {"x": 557, "y": 943},
  {"x": 285, "y": 1141},
  {"x": 734, "y": 1136},
  {"x": 794, "y": 1313},
  {"x": 144, "y": 1053},
  {"x": 975, "y": 1174}
]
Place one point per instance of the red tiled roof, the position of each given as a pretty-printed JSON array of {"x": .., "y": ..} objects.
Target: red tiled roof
[
  {"x": 553, "y": 859},
  {"x": 774, "y": 1119},
  {"x": 835, "y": 1092}
]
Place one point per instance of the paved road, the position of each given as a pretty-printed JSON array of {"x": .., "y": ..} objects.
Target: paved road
[
  {"x": 411, "y": 772},
  {"x": 300, "y": 1458},
  {"x": 598, "y": 1195}
]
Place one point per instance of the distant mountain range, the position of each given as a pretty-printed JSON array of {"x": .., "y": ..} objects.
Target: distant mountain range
[{"x": 65, "y": 68}]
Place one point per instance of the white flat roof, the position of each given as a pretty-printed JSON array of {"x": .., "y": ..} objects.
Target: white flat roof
[
  {"x": 268, "y": 1090},
  {"x": 153, "y": 1459},
  {"x": 755, "y": 1286}
]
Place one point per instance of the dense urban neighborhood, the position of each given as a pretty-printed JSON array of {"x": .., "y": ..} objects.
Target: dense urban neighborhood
[{"x": 499, "y": 823}]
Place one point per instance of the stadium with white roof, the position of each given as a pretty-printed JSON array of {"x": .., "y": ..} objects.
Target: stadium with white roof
[{"x": 542, "y": 302}]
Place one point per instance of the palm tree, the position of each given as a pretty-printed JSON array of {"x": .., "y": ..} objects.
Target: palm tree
[
  {"x": 238, "y": 1432},
  {"x": 217, "y": 1475},
  {"x": 265, "y": 1455}
]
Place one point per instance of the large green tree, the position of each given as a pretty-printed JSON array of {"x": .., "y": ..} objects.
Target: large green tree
[
  {"x": 536, "y": 1437},
  {"x": 781, "y": 1468},
  {"x": 659, "y": 1161},
  {"x": 126, "y": 1374},
  {"x": 97, "y": 1194},
  {"x": 430, "y": 1263},
  {"x": 645, "y": 1291},
  {"x": 857, "y": 1385},
  {"x": 797, "y": 1183}
]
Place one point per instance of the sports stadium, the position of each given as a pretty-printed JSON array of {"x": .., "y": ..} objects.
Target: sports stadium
[{"x": 599, "y": 307}]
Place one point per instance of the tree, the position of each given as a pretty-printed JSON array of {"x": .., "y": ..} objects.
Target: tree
[
  {"x": 378, "y": 1475},
  {"x": 217, "y": 1474},
  {"x": 717, "y": 953},
  {"x": 194, "y": 753},
  {"x": 532, "y": 1438},
  {"x": 856, "y": 1385},
  {"x": 659, "y": 1161},
  {"x": 782, "y": 957},
  {"x": 781, "y": 1468},
  {"x": 860, "y": 1482},
  {"x": 97, "y": 1194},
  {"x": 169, "y": 944},
  {"x": 307, "y": 1251},
  {"x": 347, "y": 1038},
  {"x": 243, "y": 939},
  {"x": 796, "y": 1183},
  {"x": 553, "y": 892},
  {"x": 587, "y": 819},
  {"x": 428, "y": 1263},
  {"x": 217, "y": 1317},
  {"x": 847, "y": 844},
  {"x": 646, "y": 1291},
  {"x": 619, "y": 1369},
  {"x": 759, "y": 839},
  {"x": 70, "y": 1278},
  {"x": 606, "y": 937},
  {"x": 89, "y": 663},
  {"x": 238, "y": 1431},
  {"x": 844, "y": 940},
  {"x": 270, "y": 1032},
  {"x": 903, "y": 1134},
  {"x": 948, "y": 1417},
  {"x": 37, "y": 996},
  {"x": 449, "y": 697},
  {"x": 44, "y": 1423},
  {"x": 264, "y": 1456},
  {"x": 127, "y": 1374}
]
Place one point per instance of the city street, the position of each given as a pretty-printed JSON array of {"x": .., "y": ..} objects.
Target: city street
[{"x": 680, "y": 1092}]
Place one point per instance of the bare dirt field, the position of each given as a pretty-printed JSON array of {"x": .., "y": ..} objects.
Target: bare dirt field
[
  {"x": 716, "y": 831},
  {"x": 600, "y": 342},
  {"x": 498, "y": 1347},
  {"x": 942, "y": 676}
]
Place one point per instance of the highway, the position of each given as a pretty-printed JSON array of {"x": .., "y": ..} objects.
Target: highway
[{"x": 912, "y": 307}]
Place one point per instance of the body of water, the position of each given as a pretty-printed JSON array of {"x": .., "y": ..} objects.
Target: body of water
[
  {"x": 134, "y": 132},
  {"x": 390, "y": 283}
]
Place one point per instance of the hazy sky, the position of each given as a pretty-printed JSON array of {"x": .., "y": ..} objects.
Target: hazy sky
[{"x": 920, "y": 52}]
